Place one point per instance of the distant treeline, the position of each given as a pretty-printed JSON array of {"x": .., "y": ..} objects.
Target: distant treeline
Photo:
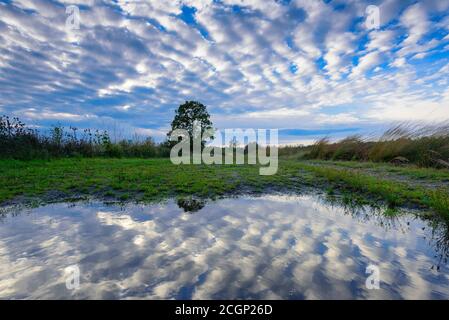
[
  {"x": 17, "y": 141},
  {"x": 426, "y": 146}
]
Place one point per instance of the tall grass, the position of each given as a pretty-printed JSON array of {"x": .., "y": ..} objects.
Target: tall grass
[
  {"x": 426, "y": 146},
  {"x": 17, "y": 141}
]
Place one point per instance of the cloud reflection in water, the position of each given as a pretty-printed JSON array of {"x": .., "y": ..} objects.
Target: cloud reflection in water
[{"x": 287, "y": 247}]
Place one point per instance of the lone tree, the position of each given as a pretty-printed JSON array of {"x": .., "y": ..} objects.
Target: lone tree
[{"x": 187, "y": 114}]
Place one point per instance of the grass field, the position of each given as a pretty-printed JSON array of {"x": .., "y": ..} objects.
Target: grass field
[{"x": 156, "y": 179}]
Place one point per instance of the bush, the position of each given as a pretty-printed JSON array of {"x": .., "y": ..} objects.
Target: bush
[
  {"x": 19, "y": 142},
  {"x": 114, "y": 150}
]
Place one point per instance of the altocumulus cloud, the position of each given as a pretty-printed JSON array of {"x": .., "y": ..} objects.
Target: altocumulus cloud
[{"x": 309, "y": 65}]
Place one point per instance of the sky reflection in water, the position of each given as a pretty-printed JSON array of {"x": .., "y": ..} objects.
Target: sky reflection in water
[{"x": 286, "y": 247}]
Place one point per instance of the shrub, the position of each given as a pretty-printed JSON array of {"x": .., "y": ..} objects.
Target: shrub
[{"x": 19, "y": 142}]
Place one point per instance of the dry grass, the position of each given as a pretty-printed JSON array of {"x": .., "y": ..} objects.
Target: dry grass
[{"x": 425, "y": 146}]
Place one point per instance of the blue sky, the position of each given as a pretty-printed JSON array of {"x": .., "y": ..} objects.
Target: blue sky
[{"x": 308, "y": 68}]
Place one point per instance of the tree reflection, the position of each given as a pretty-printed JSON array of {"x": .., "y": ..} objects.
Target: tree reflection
[{"x": 191, "y": 205}]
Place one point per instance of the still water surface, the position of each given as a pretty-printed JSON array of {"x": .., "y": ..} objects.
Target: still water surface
[{"x": 269, "y": 247}]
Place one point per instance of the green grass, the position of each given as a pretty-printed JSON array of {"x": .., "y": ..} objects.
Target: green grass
[
  {"x": 143, "y": 179},
  {"x": 411, "y": 171},
  {"x": 156, "y": 179},
  {"x": 393, "y": 192}
]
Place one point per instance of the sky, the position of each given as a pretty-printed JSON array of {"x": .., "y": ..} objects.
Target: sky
[{"x": 307, "y": 67}]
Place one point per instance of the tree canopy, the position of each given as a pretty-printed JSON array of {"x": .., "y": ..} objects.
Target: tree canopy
[{"x": 187, "y": 114}]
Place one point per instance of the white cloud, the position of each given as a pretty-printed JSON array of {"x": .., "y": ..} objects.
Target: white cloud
[
  {"x": 265, "y": 60},
  {"x": 366, "y": 63}
]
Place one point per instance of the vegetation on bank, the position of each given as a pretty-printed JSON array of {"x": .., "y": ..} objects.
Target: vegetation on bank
[
  {"x": 395, "y": 193},
  {"x": 422, "y": 146},
  {"x": 17, "y": 141},
  {"x": 413, "y": 172},
  {"x": 137, "y": 179},
  {"x": 426, "y": 146},
  {"x": 155, "y": 179}
]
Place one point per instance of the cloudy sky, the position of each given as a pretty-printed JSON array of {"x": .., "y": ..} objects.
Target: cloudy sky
[{"x": 307, "y": 67}]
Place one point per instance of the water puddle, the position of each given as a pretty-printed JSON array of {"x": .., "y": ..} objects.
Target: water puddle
[{"x": 269, "y": 247}]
